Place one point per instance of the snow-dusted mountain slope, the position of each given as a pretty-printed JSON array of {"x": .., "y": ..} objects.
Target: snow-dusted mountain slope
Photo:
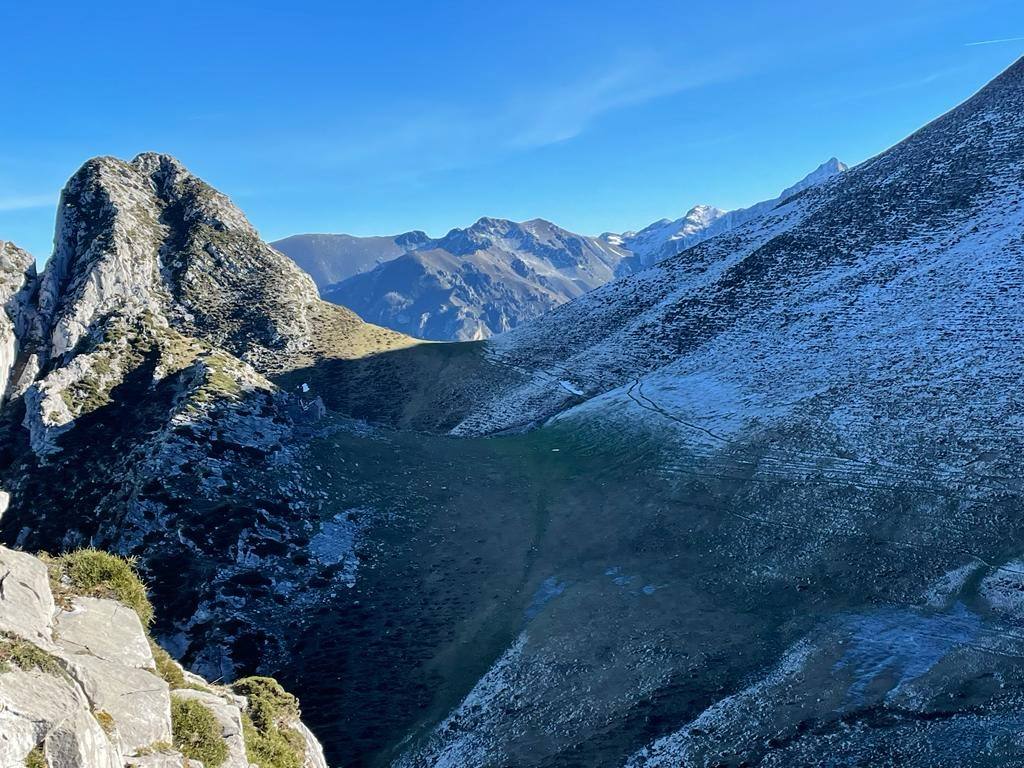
[
  {"x": 666, "y": 238},
  {"x": 479, "y": 281},
  {"x": 860, "y": 288}
]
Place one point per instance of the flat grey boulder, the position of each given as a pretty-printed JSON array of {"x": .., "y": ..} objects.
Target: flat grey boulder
[
  {"x": 106, "y": 629},
  {"x": 80, "y": 742},
  {"x": 138, "y": 701},
  {"x": 42, "y": 708},
  {"x": 26, "y": 604}
]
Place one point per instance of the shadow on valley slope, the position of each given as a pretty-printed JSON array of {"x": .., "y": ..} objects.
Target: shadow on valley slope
[
  {"x": 595, "y": 584},
  {"x": 427, "y": 387}
]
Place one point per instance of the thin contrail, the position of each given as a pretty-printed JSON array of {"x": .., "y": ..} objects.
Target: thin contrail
[{"x": 993, "y": 42}]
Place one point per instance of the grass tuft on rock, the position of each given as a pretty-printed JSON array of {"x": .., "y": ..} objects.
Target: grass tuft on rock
[
  {"x": 92, "y": 573},
  {"x": 270, "y": 741},
  {"x": 197, "y": 734},
  {"x": 36, "y": 758},
  {"x": 16, "y": 653},
  {"x": 166, "y": 667},
  {"x": 105, "y": 719}
]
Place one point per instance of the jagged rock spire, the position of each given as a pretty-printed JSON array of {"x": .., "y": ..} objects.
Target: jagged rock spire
[
  {"x": 17, "y": 283},
  {"x": 148, "y": 237}
]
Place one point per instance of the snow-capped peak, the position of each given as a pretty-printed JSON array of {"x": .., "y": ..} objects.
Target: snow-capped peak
[
  {"x": 823, "y": 172},
  {"x": 666, "y": 238}
]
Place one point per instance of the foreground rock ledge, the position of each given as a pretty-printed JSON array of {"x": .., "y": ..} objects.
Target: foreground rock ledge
[{"x": 79, "y": 685}]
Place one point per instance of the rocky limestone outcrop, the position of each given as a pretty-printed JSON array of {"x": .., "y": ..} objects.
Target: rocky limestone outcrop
[
  {"x": 148, "y": 237},
  {"x": 147, "y": 254},
  {"x": 80, "y": 684},
  {"x": 17, "y": 282},
  {"x": 145, "y": 369},
  {"x": 149, "y": 259}
]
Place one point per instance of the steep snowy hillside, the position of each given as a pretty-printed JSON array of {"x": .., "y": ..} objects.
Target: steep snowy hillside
[
  {"x": 895, "y": 254},
  {"x": 480, "y": 281}
]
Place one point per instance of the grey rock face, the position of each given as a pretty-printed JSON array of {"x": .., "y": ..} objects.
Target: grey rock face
[
  {"x": 80, "y": 741},
  {"x": 35, "y": 706},
  {"x": 147, "y": 237},
  {"x": 152, "y": 262},
  {"x": 314, "y": 752},
  {"x": 17, "y": 283},
  {"x": 105, "y": 629},
  {"x": 26, "y": 604},
  {"x": 137, "y": 699}
]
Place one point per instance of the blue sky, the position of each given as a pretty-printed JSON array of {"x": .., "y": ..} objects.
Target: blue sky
[{"x": 376, "y": 118}]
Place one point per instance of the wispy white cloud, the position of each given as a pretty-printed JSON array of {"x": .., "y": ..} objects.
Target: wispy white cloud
[
  {"x": 26, "y": 202},
  {"x": 565, "y": 111},
  {"x": 995, "y": 42},
  {"x": 419, "y": 139}
]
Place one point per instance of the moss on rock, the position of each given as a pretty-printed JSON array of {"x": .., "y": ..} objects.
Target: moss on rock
[
  {"x": 166, "y": 667},
  {"x": 270, "y": 741},
  {"x": 197, "y": 735},
  {"x": 106, "y": 720},
  {"x": 16, "y": 653},
  {"x": 36, "y": 758}
]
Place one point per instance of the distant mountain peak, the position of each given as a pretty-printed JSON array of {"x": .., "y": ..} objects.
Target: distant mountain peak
[
  {"x": 414, "y": 238},
  {"x": 823, "y": 172},
  {"x": 666, "y": 238},
  {"x": 495, "y": 273},
  {"x": 702, "y": 216},
  {"x": 475, "y": 281}
]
